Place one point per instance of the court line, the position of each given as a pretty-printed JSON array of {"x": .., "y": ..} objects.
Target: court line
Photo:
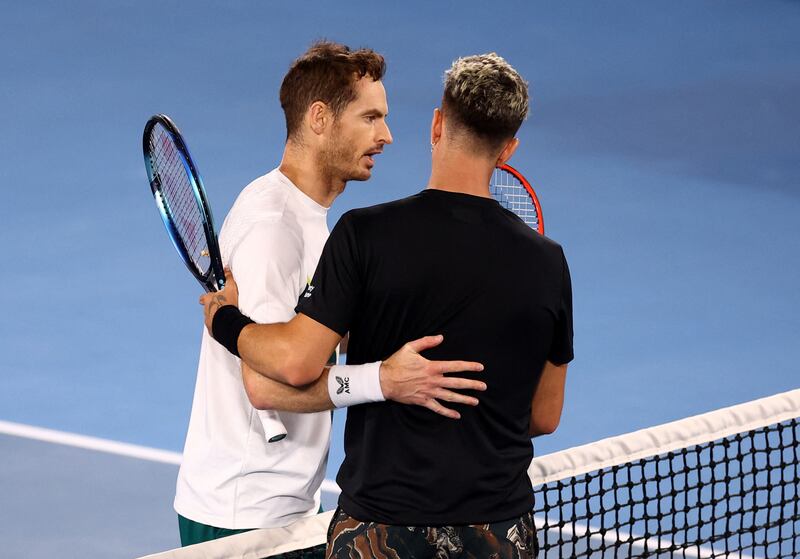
[
  {"x": 109, "y": 446},
  {"x": 90, "y": 443}
]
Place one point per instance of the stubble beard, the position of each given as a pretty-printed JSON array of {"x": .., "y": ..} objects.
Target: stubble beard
[{"x": 339, "y": 164}]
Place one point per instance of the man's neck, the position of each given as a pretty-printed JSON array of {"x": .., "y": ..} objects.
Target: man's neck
[
  {"x": 305, "y": 173},
  {"x": 459, "y": 171}
]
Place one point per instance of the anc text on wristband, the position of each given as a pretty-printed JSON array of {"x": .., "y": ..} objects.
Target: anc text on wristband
[{"x": 349, "y": 385}]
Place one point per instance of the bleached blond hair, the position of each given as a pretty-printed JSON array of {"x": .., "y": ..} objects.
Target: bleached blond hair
[{"x": 486, "y": 98}]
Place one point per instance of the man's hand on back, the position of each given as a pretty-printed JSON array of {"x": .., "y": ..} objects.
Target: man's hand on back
[{"x": 407, "y": 377}]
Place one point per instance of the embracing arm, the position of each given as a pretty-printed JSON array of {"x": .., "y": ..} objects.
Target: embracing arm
[
  {"x": 293, "y": 352},
  {"x": 267, "y": 394},
  {"x": 548, "y": 399},
  {"x": 405, "y": 377}
]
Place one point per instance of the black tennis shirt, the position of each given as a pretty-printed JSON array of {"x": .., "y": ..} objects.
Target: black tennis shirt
[{"x": 459, "y": 265}]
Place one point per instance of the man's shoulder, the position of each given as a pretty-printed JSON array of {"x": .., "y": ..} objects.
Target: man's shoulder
[
  {"x": 540, "y": 247},
  {"x": 517, "y": 228},
  {"x": 395, "y": 208},
  {"x": 258, "y": 216},
  {"x": 546, "y": 243},
  {"x": 263, "y": 199}
]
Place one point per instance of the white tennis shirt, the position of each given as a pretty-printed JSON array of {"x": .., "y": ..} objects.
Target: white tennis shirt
[{"x": 230, "y": 476}]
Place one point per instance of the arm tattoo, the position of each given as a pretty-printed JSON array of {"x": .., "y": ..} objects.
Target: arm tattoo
[{"x": 217, "y": 301}]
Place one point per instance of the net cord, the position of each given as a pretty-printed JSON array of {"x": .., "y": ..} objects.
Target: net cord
[
  {"x": 668, "y": 437},
  {"x": 303, "y": 533}
]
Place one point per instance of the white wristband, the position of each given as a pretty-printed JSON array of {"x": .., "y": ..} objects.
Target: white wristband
[{"x": 349, "y": 385}]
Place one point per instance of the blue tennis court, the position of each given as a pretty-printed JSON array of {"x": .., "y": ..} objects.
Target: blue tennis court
[{"x": 663, "y": 144}]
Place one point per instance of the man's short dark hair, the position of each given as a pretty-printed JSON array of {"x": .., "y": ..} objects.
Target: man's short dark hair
[
  {"x": 486, "y": 98},
  {"x": 326, "y": 72}
]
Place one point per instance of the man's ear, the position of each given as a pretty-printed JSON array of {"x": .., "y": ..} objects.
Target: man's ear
[
  {"x": 318, "y": 117},
  {"x": 436, "y": 127},
  {"x": 508, "y": 151}
]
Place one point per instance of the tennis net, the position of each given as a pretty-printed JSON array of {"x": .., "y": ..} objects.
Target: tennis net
[{"x": 720, "y": 484}]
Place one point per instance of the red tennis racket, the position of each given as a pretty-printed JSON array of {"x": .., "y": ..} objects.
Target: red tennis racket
[{"x": 513, "y": 191}]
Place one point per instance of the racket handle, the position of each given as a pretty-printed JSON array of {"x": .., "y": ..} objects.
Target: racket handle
[{"x": 274, "y": 430}]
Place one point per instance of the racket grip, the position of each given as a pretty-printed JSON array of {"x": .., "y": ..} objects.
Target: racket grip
[{"x": 274, "y": 429}]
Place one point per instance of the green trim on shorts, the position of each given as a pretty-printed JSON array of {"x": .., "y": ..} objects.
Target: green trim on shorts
[{"x": 196, "y": 532}]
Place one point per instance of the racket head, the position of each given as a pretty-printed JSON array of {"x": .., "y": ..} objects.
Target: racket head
[
  {"x": 513, "y": 191},
  {"x": 181, "y": 200}
]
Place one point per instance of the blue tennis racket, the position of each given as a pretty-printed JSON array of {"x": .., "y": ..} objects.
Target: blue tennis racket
[
  {"x": 181, "y": 200},
  {"x": 182, "y": 203}
]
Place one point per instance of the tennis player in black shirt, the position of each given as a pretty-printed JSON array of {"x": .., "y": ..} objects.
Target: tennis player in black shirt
[{"x": 449, "y": 261}]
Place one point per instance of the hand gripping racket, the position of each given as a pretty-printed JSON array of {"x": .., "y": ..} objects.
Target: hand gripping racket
[
  {"x": 513, "y": 191},
  {"x": 182, "y": 203}
]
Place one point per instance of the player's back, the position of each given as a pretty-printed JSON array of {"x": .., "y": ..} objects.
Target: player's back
[{"x": 459, "y": 265}]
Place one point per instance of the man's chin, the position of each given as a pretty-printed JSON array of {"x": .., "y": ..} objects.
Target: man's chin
[{"x": 361, "y": 175}]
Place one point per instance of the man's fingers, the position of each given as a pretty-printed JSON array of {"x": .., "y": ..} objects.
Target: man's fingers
[
  {"x": 456, "y": 366},
  {"x": 458, "y": 383},
  {"x": 228, "y": 275},
  {"x": 455, "y": 397},
  {"x": 204, "y": 298},
  {"x": 435, "y": 406},
  {"x": 425, "y": 343}
]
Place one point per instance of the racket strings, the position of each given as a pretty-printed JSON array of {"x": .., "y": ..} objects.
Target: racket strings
[
  {"x": 178, "y": 196},
  {"x": 512, "y": 195}
]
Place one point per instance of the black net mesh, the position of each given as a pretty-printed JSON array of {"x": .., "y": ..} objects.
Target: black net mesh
[{"x": 734, "y": 497}]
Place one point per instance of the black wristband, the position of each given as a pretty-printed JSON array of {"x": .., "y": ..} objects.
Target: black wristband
[{"x": 228, "y": 323}]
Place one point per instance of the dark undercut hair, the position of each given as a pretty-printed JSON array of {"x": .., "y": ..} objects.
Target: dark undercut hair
[
  {"x": 326, "y": 72},
  {"x": 485, "y": 101}
]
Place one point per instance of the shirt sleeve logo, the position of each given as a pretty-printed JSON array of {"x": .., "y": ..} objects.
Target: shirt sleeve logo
[{"x": 309, "y": 288}]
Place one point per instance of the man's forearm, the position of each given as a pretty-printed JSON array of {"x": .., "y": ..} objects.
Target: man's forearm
[
  {"x": 338, "y": 386},
  {"x": 548, "y": 400},
  {"x": 268, "y": 350},
  {"x": 265, "y": 393},
  {"x": 291, "y": 352}
]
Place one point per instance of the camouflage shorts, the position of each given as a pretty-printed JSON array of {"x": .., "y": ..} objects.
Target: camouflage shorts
[{"x": 349, "y": 538}]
